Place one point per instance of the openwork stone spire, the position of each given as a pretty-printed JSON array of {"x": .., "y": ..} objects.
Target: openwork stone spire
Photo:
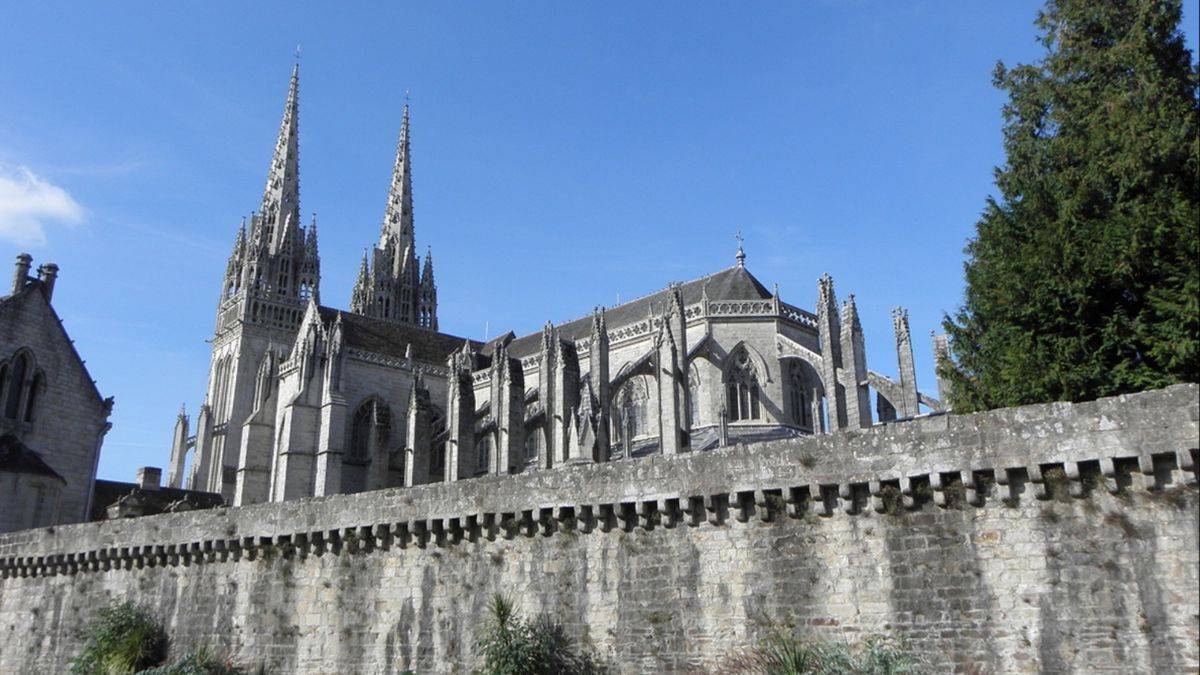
[
  {"x": 394, "y": 287},
  {"x": 398, "y": 215},
  {"x": 281, "y": 197}
]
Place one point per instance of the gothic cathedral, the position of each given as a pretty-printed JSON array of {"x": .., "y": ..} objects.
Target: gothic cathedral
[{"x": 306, "y": 400}]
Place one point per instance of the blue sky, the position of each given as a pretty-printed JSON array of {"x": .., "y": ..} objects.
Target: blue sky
[{"x": 564, "y": 154}]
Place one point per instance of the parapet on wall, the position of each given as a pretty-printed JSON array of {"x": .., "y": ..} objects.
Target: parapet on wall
[{"x": 1060, "y": 536}]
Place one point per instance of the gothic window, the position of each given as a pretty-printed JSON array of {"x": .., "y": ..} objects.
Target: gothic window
[
  {"x": 741, "y": 387},
  {"x": 369, "y": 429},
  {"x": 632, "y": 411},
  {"x": 305, "y": 291},
  {"x": 799, "y": 398},
  {"x": 14, "y": 386}
]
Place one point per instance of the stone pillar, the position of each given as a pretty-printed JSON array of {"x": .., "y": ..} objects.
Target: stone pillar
[
  {"x": 941, "y": 360},
  {"x": 203, "y": 455},
  {"x": 417, "y": 446},
  {"x": 296, "y": 462},
  {"x": 601, "y": 385},
  {"x": 670, "y": 433},
  {"x": 909, "y": 403},
  {"x": 178, "y": 451},
  {"x": 829, "y": 329},
  {"x": 330, "y": 446},
  {"x": 331, "y": 434},
  {"x": 546, "y": 368},
  {"x": 565, "y": 396},
  {"x": 258, "y": 438},
  {"x": 678, "y": 323},
  {"x": 854, "y": 360},
  {"x": 461, "y": 460},
  {"x": 508, "y": 410}
]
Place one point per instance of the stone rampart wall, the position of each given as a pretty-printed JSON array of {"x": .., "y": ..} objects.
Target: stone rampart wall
[{"x": 1053, "y": 537}]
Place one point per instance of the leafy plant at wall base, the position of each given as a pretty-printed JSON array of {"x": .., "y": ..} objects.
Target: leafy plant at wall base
[
  {"x": 514, "y": 646},
  {"x": 123, "y": 638}
]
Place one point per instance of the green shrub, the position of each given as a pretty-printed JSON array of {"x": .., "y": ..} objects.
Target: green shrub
[
  {"x": 793, "y": 654},
  {"x": 124, "y": 638},
  {"x": 514, "y": 646}
]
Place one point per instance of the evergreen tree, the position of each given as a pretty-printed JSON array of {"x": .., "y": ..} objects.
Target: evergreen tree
[{"x": 1083, "y": 277}]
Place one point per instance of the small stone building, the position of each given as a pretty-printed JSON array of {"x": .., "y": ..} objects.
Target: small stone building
[{"x": 52, "y": 417}]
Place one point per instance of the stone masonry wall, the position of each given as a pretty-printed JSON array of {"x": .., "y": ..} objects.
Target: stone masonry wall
[{"x": 1058, "y": 538}]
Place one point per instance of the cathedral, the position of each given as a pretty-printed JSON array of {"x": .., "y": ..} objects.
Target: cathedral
[{"x": 307, "y": 400}]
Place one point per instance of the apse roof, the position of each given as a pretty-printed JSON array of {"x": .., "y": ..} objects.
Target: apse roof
[{"x": 734, "y": 283}]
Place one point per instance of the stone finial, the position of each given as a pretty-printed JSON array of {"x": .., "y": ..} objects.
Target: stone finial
[{"x": 740, "y": 256}]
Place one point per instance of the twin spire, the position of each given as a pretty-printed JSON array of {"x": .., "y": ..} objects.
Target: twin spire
[
  {"x": 279, "y": 257},
  {"x": 391, "y": 285}
]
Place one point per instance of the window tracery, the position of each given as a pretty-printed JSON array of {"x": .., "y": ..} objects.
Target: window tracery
[{"x": 741, "y": 387}]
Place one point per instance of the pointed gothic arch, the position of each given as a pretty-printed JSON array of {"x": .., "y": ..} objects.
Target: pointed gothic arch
[
  {"x": 21, "y": 384},
  {"x": 370, "y": 427}
]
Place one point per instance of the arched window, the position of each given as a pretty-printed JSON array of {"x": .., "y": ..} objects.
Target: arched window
[
  {"x": 799, "y": 398},
  {"x": 370, "y": 429},
  {"x": 16, "y": 385},
  {"x": 631, "y": 414},
  {"x": 741, "y": 387}
]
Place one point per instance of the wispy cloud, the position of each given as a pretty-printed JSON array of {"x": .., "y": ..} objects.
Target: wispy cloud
[{"x": 28, "y": 203}]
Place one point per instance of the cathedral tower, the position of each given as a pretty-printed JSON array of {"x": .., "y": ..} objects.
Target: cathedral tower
[
  {"x": 272, "y": 272},
  {"x": 390, "y": 283}
]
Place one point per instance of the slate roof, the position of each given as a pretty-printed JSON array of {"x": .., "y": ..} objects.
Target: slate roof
[
  {"x": 107, "y": 492},
  {"x": 16, "y": 457},
  {"x": 392, "y": 339},
  {"x": 734, "y": 283}
]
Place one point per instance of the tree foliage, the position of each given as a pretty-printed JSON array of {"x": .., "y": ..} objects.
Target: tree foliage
[{"x": 1083, "y": 277}]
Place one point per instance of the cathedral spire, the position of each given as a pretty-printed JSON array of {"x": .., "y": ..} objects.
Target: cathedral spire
[
  {"x": 398, "y": 215},
  {"x": 281, "y": 197}
]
